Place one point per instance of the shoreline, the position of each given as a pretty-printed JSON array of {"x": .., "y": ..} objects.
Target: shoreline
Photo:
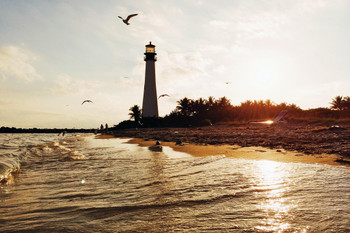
[
  {"x": 302, "y": 137},
  {"x": 237, "y": 151}
]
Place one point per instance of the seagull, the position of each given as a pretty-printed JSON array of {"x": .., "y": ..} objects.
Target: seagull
[
  {"x": 86, "y": 101},
  {"x": 163, "y": 95},
  {"x": 228, "y": 83},
  {"x": 126, "y": 21}
]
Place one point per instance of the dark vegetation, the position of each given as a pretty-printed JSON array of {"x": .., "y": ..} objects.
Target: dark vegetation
[
  {"x": 204, "y": 112},
  {"x": 36, "y": 130}
]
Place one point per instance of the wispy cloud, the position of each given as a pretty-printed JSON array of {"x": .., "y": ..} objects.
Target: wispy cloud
[
  {"x": 311, "y": 5},
  {"x": 16, "y": 62},
  {"x": 184, "y": 64},
  {"x": 66, "y": 85}
]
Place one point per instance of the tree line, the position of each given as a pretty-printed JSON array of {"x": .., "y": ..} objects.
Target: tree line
[
  {"x": 4, "y": 129},
  {"x": 202, "y": 112}
]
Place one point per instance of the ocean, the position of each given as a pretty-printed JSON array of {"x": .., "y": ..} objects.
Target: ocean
[{"x": 77, "y": 183}]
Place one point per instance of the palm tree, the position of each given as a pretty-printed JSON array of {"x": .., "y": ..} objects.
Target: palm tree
[
  {"x": 337, "y": 103},
  {"x": 210, "y": 101},
  {"x": 223, "y": 102},
  {"x": 346, "y": 102},
  {"x": 184, "y": 106},
  {"x": 135, "y": 113}
]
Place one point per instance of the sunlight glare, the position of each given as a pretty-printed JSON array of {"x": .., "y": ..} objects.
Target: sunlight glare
[
  {"x": 264, "y": 75},
  {"x": 269, "y": 122},
  {"x": 272, "y": 177}
]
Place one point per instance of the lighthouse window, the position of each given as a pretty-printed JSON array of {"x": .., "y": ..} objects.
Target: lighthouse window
[{"x": 149, "y": 50}]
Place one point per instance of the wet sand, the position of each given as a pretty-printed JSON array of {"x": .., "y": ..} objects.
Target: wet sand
[
  {"x": 255, "y": 153},
  {"x": 311, "y": 143}
]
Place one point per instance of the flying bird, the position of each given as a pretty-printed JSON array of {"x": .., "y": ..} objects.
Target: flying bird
[
  {"x": 86, "y": 101},
  {"x": 163, "y": 95},
  {"x": 228, "y": 83},
  {"x": 126, "y": 21}
]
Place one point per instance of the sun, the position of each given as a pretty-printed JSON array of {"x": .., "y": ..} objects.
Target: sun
[{"x": 264, "y": 75}]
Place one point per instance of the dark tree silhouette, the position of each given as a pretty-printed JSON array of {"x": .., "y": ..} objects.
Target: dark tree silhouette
[
  {"x": 135, "y": 113},
  {"x": 204, "y": 112},
  {"x": 184, "y": 106},
  {"x": 347, "y": 102},
  {"x": 337, "y": 103}
]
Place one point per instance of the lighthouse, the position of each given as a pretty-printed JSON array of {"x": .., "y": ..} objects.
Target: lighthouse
[{"x": 150, "y": 101}]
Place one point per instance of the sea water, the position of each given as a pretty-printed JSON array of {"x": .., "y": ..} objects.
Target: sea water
[{"x": 77, "y": 183}]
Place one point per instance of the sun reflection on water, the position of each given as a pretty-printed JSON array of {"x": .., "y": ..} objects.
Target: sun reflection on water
[{"x": 272, "y": 179}]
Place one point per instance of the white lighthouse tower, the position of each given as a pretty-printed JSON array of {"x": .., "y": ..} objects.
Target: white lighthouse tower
[{"x": 150, "y": 101}]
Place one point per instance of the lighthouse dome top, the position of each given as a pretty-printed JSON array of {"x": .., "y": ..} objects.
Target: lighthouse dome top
[{"x": 150, "y": 45}]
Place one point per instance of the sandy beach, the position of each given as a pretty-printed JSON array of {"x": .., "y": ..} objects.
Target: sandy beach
[{"x": 313, "y": 143}]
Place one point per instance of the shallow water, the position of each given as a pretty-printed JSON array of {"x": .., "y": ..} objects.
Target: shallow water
[{"x": 81, "y": 184}]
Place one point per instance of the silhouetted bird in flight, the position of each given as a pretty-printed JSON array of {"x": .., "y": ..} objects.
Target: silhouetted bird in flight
[
  {"x": 86, "y": 101},
  {"x": 228, "y": 83},
  {"x": 126, "y": 21},
  {"x": 163, "y": 95}
]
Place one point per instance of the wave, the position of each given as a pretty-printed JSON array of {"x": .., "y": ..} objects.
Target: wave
[
  {"x": 58, "y": 148},
  {"x": 9, "y": 163},
  {"x": 105, "y": 212},
  {"x": 14, "y": 150}
]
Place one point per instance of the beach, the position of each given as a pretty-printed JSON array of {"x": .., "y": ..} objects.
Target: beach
[
  {"x": 78, "y": 183},
  {"x": 287, "y": 142}
]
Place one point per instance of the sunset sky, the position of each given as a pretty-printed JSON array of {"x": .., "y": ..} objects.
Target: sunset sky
[{"x": 55, "y": 54}]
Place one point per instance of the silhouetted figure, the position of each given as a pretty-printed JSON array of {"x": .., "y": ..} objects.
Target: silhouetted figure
[
  {"x": 163, "y": 95},
  {"x": 63, "y": 133},
  {"x": 106, "y": 127},
  {"x": 101, "y": 127},
  {"x": 86, "y": 101},
  {"x": 126, "y": 21}
]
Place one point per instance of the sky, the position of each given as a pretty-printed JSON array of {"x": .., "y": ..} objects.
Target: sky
[{"x": 55, "y": 54}]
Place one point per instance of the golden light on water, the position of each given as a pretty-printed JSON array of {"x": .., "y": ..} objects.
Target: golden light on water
[
  {"x": 272, "y": 177},
  {"x": 268, "y": 172}
]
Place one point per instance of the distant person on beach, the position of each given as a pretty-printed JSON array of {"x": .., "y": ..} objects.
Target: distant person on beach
[
  {"x": 106, "y": 127},
  {"x": 101, "y": 127},
  {"x": 63, "y": 133}
]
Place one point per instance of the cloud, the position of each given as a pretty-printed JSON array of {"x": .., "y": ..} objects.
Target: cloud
[
  {"x": 16, "y": 62},
  {"x": 220, "y": 24},
  {"x": 311, "y": 5},
  {"x": 262, "y": 25},
  {"x": 185, "y": 63},
  {"x": 130, "y": 82},
  {"x": 65, "y": 85}
]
